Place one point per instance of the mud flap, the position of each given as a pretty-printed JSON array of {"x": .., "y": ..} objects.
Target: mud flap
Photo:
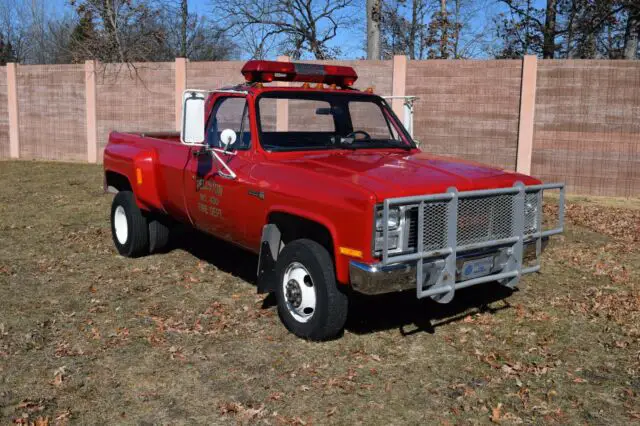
[{"x": 269, "y": 249}]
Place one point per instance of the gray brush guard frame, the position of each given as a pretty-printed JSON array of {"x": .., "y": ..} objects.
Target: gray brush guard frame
[{"x": 441, "y": 270}]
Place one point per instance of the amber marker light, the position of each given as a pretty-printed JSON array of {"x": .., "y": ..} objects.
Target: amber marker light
[
  {"x": 138, "y": 175},
  {"x": 351, "y": 252}
]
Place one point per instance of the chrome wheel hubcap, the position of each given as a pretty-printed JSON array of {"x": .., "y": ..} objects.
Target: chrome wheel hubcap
[{"x": 299, "y": 292}]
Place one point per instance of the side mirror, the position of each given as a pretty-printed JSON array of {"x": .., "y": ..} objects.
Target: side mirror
[
  {"x": 227, "y": 138},
  {"x": 192, "y": 132}
]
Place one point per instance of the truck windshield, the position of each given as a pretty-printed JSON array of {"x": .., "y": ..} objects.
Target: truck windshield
[{"x": 300, "y": 121}]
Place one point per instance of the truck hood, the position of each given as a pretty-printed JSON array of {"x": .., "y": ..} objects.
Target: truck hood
[{"x": 397, "y": 174}]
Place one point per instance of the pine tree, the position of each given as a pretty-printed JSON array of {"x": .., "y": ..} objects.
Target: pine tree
[
  {"x": 83, "y": 35},
  {"x": 6, "y": 51}
]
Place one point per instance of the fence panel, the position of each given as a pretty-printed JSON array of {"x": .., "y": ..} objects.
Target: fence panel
[
  {"x": 134, "y": 98},
  {"x": 213, "y": 75},
  {"x": 467, "y": 109},
  {"x": 586, "y": 130},
  {"x": 587, "y": 126},
  {"x": 51, "y": 111},
  {"x": 4, "y": 115}
]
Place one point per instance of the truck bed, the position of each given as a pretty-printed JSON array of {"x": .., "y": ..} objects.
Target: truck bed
[{"x": 162, "y": 160}]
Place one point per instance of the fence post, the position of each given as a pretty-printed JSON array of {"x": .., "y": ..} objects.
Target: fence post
[
  {"x": 399, "y": 83},
  {"x": 527, "y": 110},
  {"x": 181, "y": 85},
  {"x": 91, "y": 112},
  {"x": 282, "y": 105},
  {"x": 12, "y": 103}
]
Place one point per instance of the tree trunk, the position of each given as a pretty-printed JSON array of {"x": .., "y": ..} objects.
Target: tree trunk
[
  {"x": 456, "y": 31},
  {"x": 549, "y": 43},
  {"x": 184, "y": 15},
  {"x": 444, "y": 30},
  {"x": 570, "y": 29},
  {"x": 373, "y": 29},
  {"x": 109, "y": 18},
  {"x": 414, "y": 29},
  {"x": 632, "y": 34}
]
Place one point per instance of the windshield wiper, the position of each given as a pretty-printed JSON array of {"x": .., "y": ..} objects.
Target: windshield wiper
[
  {"x": 352, "y": 144},
  {"x": 398, "y": 144}
]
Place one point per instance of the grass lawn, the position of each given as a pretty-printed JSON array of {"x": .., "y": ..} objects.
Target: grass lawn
[{"x": 90, "y": 337}]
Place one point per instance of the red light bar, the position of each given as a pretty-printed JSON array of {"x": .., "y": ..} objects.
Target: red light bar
[{"x": 267, "y": 71}]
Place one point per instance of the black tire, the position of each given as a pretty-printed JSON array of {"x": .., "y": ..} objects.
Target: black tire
[
  {"x": 136, "y": 241},
  {"x": 330, "y": 314},
  {"x": 159, "y": 231}
]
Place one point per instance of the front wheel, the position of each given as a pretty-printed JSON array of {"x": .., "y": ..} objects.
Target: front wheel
[{"x": 309, "y": 302}]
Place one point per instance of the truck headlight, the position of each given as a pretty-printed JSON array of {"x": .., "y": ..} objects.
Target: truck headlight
[
  {"x": 531, "y": 213},
  {"x": 393, "y": 221}
]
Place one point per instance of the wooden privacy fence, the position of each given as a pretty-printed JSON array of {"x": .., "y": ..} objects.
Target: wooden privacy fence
[{"x": 576, "y": 121}]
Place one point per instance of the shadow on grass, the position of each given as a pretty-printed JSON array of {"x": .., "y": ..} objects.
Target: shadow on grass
[
  {"x": 219, "y": 253},
  {"x": 410, "y": 315},
  {"x": 367, "y": 314}
]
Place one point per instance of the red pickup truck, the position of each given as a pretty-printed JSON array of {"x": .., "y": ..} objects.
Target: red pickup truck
[{"x": 326, "y": 185}]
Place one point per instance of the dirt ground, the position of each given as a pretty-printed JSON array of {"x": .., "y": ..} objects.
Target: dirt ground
[{"x": 89, "y": 337}]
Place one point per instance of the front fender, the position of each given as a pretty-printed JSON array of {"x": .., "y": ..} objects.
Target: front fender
[{"x": 341, "y": 262}]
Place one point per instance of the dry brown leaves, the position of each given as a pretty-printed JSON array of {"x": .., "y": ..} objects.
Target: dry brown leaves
[
  {"x": 242, "y": 412},
  {"x": 606, "y": 260},
  {"x": 623, "y": 225},
  {"x": 216, "y": 318},
  {"x": 621, "y": 307}
]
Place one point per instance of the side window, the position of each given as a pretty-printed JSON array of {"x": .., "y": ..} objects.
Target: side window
[{"x": 230, "y": 113}]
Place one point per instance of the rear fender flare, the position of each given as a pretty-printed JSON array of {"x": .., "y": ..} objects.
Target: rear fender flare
[{"x": 145, "y": 181}]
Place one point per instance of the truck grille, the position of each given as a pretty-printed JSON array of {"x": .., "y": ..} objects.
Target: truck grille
[{"x": 480, "y": 219}]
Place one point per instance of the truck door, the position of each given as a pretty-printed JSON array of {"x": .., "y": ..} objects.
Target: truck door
[{"x": 215, "y": 201}]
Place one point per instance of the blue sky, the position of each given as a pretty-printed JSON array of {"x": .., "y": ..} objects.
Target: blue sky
[{"x": 200, "y": 6}]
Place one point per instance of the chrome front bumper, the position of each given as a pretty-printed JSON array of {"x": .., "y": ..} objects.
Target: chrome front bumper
[{"x": 372, "y": 279}]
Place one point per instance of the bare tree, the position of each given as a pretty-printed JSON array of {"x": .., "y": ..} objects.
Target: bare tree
[
  {"x": 570, "y": 28},
  {"x": 125, "y": 31},
  {"x": 257, "y": 43},
  {"x": 23, "y": 27},
  {"x": 33, "y": 33},
  {"x": 196, "y": 37},
  {"x": 404, "y": 27},
  {"x": 374, "y": 15},
  {"x": 433, "y": 29},
  {"x": 296, "y": 27}
]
